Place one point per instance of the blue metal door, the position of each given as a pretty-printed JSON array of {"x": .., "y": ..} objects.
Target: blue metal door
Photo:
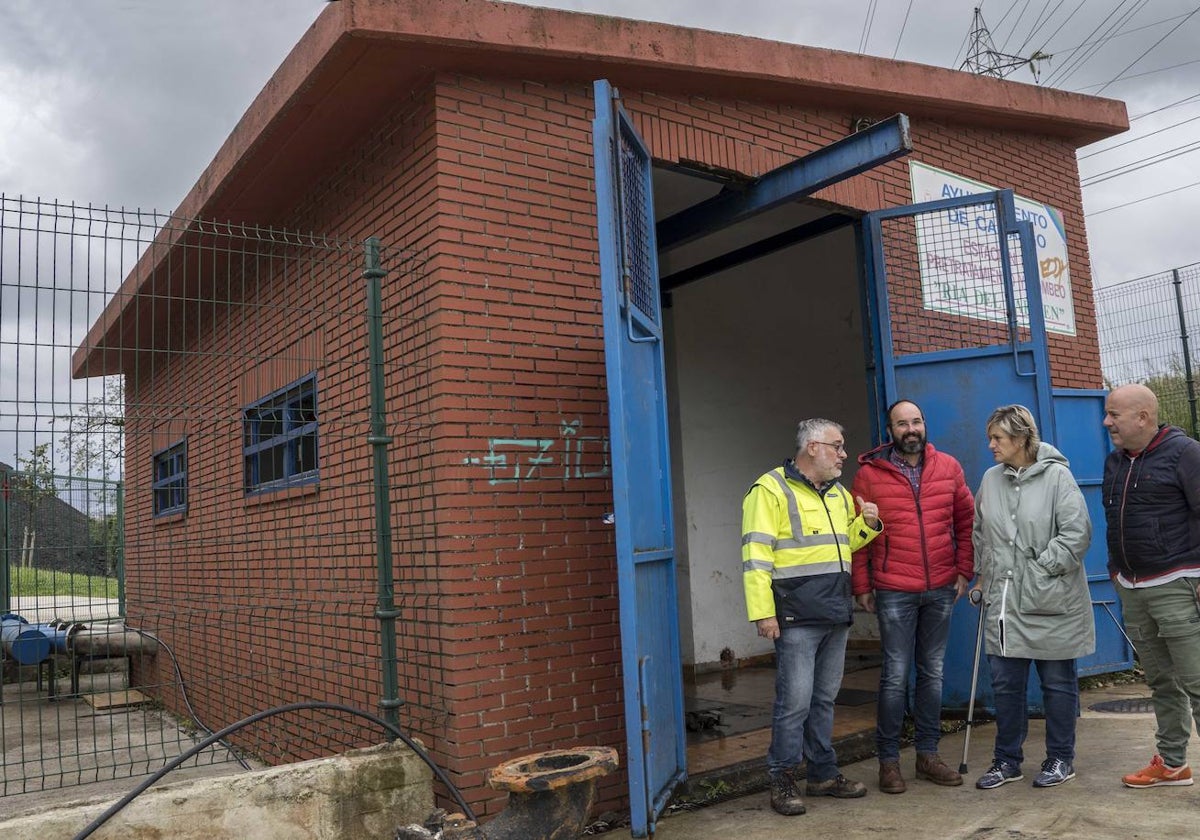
[
  {"x": 947, "y": 278},
  {"x": 1085, "y": 442},
  {"x": 641, "y": 472}
]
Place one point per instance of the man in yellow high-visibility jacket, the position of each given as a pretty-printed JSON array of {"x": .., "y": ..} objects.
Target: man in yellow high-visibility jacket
[{"x": 799, "y": 529}]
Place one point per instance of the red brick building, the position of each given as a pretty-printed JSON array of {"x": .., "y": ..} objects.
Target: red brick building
[{"x": 461, "y": 134}]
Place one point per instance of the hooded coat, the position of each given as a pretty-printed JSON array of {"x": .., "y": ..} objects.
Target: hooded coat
[{"x": 1031, "y": 533}]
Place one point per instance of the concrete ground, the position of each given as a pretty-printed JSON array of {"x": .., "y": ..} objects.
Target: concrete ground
[{"x": 1094, "y": 805}]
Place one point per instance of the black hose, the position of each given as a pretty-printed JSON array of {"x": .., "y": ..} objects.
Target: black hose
[
  {"x": 184, "y": 694},
  {"x": 118, "y": 806}
]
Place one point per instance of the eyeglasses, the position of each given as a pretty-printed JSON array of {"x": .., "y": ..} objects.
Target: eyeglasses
[{"x": 841, "y": 448}]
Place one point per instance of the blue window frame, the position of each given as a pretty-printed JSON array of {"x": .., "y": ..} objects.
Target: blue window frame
[
  {"x": 170, "y": 479},
  {"x": 279, "y": 442}
]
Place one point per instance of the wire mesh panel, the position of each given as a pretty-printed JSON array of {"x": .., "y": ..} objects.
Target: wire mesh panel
[
  {"x": 637, "y": 227},
  {"x": 189, "y": 516},
  {"x": 1147, "y": 330},
  {"x": 945, "y": 285}
]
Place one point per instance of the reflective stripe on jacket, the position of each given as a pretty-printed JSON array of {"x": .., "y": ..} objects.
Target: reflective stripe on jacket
[{"x": 796, "y": 549}]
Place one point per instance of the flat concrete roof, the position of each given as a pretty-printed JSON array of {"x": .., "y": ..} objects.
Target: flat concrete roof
[{"x": 360, "y": 56}]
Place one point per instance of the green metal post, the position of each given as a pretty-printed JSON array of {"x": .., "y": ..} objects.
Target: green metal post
[
  {"x": 386, "y": 610},
  {"x": 1187, "y": 354},
  {"x": 120, "y": 548},
  {"x": 5, "y": 558}
]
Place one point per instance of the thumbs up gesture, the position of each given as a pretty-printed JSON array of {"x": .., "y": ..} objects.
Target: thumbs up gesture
[{"x": 869, "y": 510}]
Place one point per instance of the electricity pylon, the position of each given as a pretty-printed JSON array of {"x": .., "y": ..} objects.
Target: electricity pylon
[{"x": 983, "y": 59}]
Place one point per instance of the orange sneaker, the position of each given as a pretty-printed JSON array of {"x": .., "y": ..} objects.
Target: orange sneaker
[{"x": 1158, "y": 774}]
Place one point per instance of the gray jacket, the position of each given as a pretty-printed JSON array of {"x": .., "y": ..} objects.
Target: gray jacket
[{"x": 1031, "y": 532}]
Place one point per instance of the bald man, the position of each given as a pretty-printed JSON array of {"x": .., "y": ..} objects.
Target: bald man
[{"x": 1152, "y": 507}]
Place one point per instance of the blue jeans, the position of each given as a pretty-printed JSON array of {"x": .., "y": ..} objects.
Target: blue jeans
[
  {"x": 1060, "y": 698},
  {"x": 913, "y": 627},
  {"x": 808, "y": 673}
]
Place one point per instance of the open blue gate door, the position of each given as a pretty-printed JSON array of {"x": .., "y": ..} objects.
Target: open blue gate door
[
  {"x": 960, "y": 333},
  {"x": 641, "y": 473},
  {"x": 1085, "y": 442}
]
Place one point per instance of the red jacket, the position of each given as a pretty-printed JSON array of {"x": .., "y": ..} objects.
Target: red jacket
[{"x": 926, "y": 541}]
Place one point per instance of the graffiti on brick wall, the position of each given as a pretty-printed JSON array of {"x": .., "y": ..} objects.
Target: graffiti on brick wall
[{"x": 571, "y": 455}]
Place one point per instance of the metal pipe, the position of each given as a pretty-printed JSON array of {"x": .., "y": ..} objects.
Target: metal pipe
[
  {"x": 379, "y": 439},
  {"x": 30, "y": 644},
  {"x": 550, "y": 795},
  {"x": 112, "y": 639},
  {"x": 120, "y": 548},
  {"x": 24, "y": 642}
]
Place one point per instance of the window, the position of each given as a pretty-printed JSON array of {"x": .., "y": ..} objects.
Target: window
[
  {"x": 279, "y": 446},
  {"x": 170, "y": 479}
]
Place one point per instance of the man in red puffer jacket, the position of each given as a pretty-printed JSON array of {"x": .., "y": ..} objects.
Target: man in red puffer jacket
[{"x": 910, "y": 578}]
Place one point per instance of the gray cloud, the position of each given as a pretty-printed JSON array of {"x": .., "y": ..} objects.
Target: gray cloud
[{"x": 124, "y": 102}]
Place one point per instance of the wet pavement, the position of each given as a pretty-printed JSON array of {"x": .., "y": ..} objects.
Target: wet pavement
[{"x": 1094, "y": 805}]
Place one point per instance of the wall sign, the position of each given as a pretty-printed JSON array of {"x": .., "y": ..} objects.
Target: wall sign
[{"x": 974, "y": 262}]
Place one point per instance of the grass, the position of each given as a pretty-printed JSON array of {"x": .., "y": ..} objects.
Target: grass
[{"x": 35, "y": 582}]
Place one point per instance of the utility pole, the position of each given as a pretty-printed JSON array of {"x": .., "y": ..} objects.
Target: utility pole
[{"x": 983, "y": 59}]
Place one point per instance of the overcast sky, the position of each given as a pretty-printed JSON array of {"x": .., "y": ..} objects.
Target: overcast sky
[{"x": 124, "y": 102}]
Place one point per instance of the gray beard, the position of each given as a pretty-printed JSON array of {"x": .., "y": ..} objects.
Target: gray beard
[{"x": 911, "y": 446}]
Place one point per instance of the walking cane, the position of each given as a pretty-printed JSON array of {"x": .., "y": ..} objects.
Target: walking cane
[
  {"x": 1116, "y": 621},
  {"x": 976, "y": 597}
]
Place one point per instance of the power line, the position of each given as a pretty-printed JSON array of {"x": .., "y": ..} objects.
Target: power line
[
  {"x": 1183, "y": 101},
  {"x": 1004, "y": 16},
  {"x": 903, "y": 26},
  {"x": 1015, "y": 24},
  {"x": 1115, "y": 24},
  {"x": 867, "y": 24},
  {"x": 1060, "y": 27},
  {"x": 1140, "y": 200},
  {"x": 1127, "y": 168},
  {"x": 1147, "y": 73},
  {"x": 966, "y": 40},
  {"x": 1122, "y": 34},
  {"x": 1148, "y": 51},
  {"x": 1075, "y": 62},
  {"x": 1039, "y": 22},
  {"x": 1137, "y": 139}
]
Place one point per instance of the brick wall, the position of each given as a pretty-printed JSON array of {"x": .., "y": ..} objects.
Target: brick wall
[
  {"x": 1044, "y": 169},
  {"x": 534, "y": 650},
  {"x": 530, "y": 586},
  {"x": 505, "y": 572},
  {"x": 270, "y": 599}
]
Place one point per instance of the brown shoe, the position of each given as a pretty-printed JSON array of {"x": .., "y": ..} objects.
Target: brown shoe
[
  {"x": 890, "y": 780},
  {"x": 839, "y": 787},
  {"x": 785, "y": 798},
  {"x": 930, "y": 766}
]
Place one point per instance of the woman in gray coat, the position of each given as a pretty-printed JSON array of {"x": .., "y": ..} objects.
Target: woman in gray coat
[{"x": 1031, "y": 532}]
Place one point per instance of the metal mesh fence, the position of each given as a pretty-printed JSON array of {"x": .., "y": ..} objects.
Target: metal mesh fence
[
  {"x": 1147, "y": 330},
  {"x": 189, "y": 517},
  {"x": 945, "y": 285}
]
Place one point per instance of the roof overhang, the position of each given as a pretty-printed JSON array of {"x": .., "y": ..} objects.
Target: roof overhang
[{"x": 361, "y": 56}]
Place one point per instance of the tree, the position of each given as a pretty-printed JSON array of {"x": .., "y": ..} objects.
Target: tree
[
  {"x": 105, "y": 543},
  {"x": 33, "y": 482},
  {"x": 1174, "y": 405},
  {"x": 95, "y": 435}
]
